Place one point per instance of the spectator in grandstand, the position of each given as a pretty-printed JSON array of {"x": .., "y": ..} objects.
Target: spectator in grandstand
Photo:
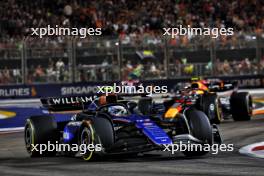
[
  {"x": 235, "y": 67},
  {"x": 127, "y": 69},
  {"x": 60, "y": 64},
  {"x": 153, "y": 70},
  {"x": 82, "y": 76},
  {"x": 60, "y": 70},
  {"x": 17, "y": 78},
  {"x": 136, "y": 72},
  {"x": 104, "y": 70},
  {"x": 51, "y": 73},
  {"x": 218, "y": 66},
  {"x": 39, "y": 74},
  {"x": 115, "y": 70},
  {"x": 1, "y": 77},
  {"x": 6, "y": 76},
  {"x": 262, "y": 65},
  {"x": 226, "y": 68}
]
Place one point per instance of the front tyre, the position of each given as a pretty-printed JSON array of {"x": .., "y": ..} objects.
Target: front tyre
[
  {"x": 201, "y": 129},
  {"x": 86, "y": 139},
  {"x": 98, "y": 131}
]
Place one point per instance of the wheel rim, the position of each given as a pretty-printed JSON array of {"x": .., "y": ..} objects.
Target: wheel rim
[
  {"x": 218, "y": 110},
  {"x": 86, "y": 139},
  {"x": 29, "y": 137},
  {"x": 250, "y": 106}
]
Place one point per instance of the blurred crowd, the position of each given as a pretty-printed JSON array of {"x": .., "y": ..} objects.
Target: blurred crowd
[
  {"x": 138, "y": 23},
  {"x": 56, "y": 72},
  {"x": 244, "y": 67},
  {"x": 59, "y": 72},
  {"x": 10, "y": 76},
  {"x": 131, "y": 20}
]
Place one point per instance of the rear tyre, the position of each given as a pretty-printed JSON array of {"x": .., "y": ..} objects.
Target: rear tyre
[
  {"x": 241, "y": 106},
  {"x": 211, "y": 106},
  {"x": 201, "y": 129},
  {"x": 40, "y": 130}
]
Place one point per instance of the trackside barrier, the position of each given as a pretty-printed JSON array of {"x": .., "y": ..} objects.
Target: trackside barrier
[{"x": 71, "y": 89}]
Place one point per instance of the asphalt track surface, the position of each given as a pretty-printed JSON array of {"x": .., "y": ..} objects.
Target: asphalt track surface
[{"x": 14, "y": 160}]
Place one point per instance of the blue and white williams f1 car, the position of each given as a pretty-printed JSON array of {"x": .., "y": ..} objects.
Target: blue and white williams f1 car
[{"x": 118, "y": 126}]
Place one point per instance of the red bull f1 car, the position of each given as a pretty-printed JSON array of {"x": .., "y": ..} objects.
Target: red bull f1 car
[{"x": 220, "y": 99}]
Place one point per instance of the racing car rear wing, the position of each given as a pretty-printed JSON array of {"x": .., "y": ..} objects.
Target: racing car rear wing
[
  {"x": 216, "y": 85},
  {"x": 66, "y": 103},
  {"x": 80, "y": 102},
  {"x": 223, "y": 86}
]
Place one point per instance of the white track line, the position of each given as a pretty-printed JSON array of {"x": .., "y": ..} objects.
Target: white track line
[{"x": 11, "y": 130}]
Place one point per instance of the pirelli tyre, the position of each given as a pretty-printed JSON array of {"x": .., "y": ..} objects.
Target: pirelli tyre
[
  {"x": 97, "y": 132},
  {"x": 201, "y": 129},
  {"x": 87, "y": 138},
  {"x": 211, "y": 106},
  {"x": 40, "y": 130},
  {"x": 241, "y": 106}
]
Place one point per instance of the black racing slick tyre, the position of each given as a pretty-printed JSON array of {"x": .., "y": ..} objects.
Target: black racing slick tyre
[
  {"x": 40, "y": 130},
  {"x": 98, "y": 131},
  {"x": 201, "y": 129},
  {"x": 87, "y": 138},
  {"x": 241, "y": 106},
  {"x": 211, "y": 106},
  {"x": 105, "y": 130}
]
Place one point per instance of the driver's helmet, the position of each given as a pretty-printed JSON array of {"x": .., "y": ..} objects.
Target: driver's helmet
[
  {"x": 102, "y": 100},
  {"x": 117, "y": 110},
  {"x": 105, "y": 99}
]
